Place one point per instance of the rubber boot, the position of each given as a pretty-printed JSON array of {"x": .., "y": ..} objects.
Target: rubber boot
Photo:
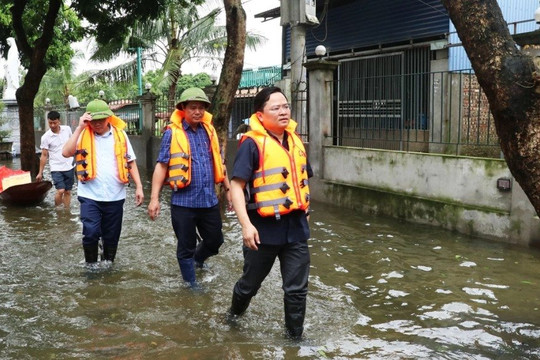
[
  {"x": 187, "y": 268},
  {"x": 238, "y": 304},
  {"x": 91, "y": 253},
  {"x": 109, "y": 253},
  {"x": 294, "y": 319}
]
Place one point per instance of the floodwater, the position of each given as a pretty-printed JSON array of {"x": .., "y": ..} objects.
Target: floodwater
[{"x": 379, "y": 289}]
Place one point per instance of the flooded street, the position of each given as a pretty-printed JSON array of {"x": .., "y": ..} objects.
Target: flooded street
[{"x": 379, "y": 289}]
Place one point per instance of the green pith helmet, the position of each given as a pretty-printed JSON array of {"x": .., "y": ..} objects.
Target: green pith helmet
[
  {"x": 192, "y": 94},
  {"x": 98, "y": 109}
]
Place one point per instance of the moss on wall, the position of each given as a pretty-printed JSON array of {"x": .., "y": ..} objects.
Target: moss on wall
[{"x": 385, "y": 202}]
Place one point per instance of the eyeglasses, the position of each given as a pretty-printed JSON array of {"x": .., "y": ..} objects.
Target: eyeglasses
[{"x": 276, "y": 108}]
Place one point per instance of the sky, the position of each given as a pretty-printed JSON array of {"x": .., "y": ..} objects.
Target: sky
[{"x": 268, "y": 54}]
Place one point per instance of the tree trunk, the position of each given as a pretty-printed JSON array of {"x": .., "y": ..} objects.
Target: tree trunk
[
  {"x": 231, "y": 71},
  {"x": 507, "y": 77},
  {"x": 174, "y": 75},
  {"x": 27, "y": 92}
]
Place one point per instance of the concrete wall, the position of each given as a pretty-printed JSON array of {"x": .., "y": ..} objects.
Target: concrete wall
[{"x": 454, "y": 192}]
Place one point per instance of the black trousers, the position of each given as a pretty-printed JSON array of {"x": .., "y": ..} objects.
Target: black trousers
[
  {"x": 186, "y": 222},
  {"x": 294, "y": 262}
]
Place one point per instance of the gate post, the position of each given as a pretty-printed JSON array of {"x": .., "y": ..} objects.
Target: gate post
[
  {"x": 321, "y": 98},
  {"x": 148, "y": 104}
]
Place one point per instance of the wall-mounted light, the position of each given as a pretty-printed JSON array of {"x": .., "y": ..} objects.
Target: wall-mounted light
[
  {"x": 48, "y": 101},
  {"x": 504, "y": 184},
  {"x": 101, "y": 94},
  {"x": 213, "y": 79},
  {"x": 147, "y": 86},
  {"x": 320, "y": 51}
]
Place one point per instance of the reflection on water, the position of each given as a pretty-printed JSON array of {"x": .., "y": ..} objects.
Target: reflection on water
[{"x": 379, "y": 289}]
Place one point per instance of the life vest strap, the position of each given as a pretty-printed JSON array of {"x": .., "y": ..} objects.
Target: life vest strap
[
  {"x": 181, "y": 155},
  {"x": 182, "y": 178},
  {"x": 284, "y": 201},
  {"x": 183, "y": 167},
  {"x": 282, "y": 186},
  {"x": 279, "y": 170}
]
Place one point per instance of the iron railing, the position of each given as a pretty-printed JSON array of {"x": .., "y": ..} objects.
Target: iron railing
[
  {"x": 437, "y": 112},
  {"x": 128, "y": 110}
]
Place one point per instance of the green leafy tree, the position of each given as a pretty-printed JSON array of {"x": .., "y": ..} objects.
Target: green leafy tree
[
  {"x": 44, "y": 30},
  {"x": 178, "y": 36}
]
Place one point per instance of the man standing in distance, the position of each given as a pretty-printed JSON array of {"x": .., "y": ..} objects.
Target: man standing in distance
[
  {"x": 104, "y": 160},
  {"x": 61, "y": 168},
  {"x": 190, "y": 162}
]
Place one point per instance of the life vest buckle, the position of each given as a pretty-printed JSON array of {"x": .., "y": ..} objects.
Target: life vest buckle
[
  {"x": 287, "y": 204},
  {"x": 81, "y": 152},
  {"x": 303, "y": 183},
  {"x": 184, "y": 167},
  {"x": 183, "y": 179},
  {"x": 284, "y": 188},
  {"x": 285, "y": 173}
]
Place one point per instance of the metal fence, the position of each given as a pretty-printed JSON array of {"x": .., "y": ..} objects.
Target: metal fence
[
  {"x": 164, "y": 110},
  {"x": 128, "y": 110},
  {"x": 438, "y": 112}
]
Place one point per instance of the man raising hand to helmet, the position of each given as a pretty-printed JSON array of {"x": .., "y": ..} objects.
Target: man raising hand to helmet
[{"x": 104, "y": 163}]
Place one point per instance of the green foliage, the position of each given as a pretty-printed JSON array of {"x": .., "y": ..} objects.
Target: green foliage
[
  {"x": 179, "y": 35},
  {"x": 67, "y": 29},
  {"x": 200, "y": 80},
  {"x": 160, "y": 87}
]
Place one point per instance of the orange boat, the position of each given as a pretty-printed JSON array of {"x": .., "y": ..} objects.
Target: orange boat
[{"x": 31, "y": 193}]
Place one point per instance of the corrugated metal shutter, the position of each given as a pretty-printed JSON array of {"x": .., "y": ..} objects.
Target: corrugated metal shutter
[{"x": 366, "y": 23}]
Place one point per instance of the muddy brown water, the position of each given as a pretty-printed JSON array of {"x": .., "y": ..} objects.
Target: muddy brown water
[{"x": 379, "y": 289}]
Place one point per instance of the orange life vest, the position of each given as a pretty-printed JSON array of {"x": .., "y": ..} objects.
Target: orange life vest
[
  {"x": 280, "y": 183},
  {"x": 180, "y": 161},
  {"x": 85, "y": 155}
]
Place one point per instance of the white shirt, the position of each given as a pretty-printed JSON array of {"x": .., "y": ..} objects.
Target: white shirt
[
  {"x": 54, "y": 143},
  {"x": 106, "y": 186}
]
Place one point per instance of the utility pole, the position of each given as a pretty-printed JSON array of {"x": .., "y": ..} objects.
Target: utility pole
[{"x": 298, "y": 14}]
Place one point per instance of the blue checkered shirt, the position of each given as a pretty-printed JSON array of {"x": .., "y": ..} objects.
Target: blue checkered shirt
[{"x": 201, "y": 192}]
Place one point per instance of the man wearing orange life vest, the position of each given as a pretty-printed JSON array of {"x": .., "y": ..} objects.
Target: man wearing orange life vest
[
  {"x": 104, "y": 162},
  {"x": 271, "y": 171},
  {"x": 190, "y": 162}
]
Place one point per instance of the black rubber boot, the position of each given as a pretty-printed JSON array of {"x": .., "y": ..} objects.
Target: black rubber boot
[
  {"x": 238, "y": 304},
  {"x": 294, "y": 319},
  {"x": 91, "y": 253},
  {"x": 109, "y": 253}
]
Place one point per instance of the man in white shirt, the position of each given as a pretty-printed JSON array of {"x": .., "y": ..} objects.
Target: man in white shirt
[
  {"x": 61, "y": 168},
  {"x": 105, "y": 162}
]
